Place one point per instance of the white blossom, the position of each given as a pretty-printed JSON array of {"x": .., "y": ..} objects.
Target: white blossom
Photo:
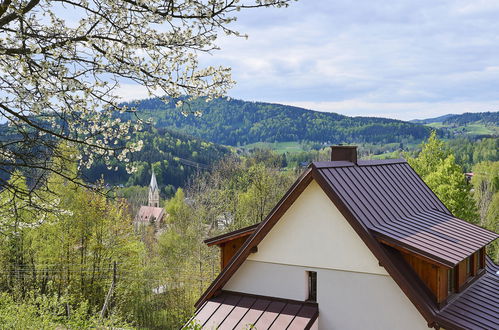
[{"x": 59, "y": 77}]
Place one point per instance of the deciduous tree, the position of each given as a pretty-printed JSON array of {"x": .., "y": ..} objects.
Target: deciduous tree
[
  {"x": 61, "y": 62},
  {"x": 486, "y": 193},
  {"x": 437, "y": 167}
]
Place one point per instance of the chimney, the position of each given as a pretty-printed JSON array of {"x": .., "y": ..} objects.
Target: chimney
[{"x": 344, "y": 153}]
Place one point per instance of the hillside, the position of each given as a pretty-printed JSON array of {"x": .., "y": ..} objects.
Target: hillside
[
  {"x": 474, "y": 124},
  {"x": 432, "y": 120},
  {"x": 174, "y": 156},
  {"x": 235, "y": 122}
]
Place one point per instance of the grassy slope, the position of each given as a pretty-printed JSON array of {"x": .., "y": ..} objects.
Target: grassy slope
[
  {"x": 279, "y": 147},
  {"x": 475, "y": 128}
]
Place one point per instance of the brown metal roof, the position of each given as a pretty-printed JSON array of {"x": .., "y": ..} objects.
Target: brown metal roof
[
  {"x": 478, "y": 306},
  {"x": 246, "y": 231},
  {"x": 234, "y": 310},
  {"x": 391, "y": 200},
  {"x": 442, "y": 237}
]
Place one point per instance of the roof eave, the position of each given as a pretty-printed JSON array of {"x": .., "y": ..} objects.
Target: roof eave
[
  {"x": 220, "y": 239},
  {"x": 427, "y": 256}
]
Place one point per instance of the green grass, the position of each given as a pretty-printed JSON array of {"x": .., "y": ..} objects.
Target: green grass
[
  {"x": 279, "y": 147},
  {"x": 470, "y": 129}
]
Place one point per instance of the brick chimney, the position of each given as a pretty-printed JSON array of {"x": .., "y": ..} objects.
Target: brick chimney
[{"x": 344, "y": 153}]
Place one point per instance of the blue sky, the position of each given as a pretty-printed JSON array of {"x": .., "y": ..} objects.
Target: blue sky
[{"x": 398, "y": 59}]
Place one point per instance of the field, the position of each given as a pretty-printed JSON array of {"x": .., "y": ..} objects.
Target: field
[
  {"x": 470, "y": 129},
  {"x": 279, "y": 147}
]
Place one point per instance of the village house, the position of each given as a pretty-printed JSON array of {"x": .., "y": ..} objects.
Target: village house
[
  {"x": 354, "y": 244},
  {"x": 152, "y": 213}
]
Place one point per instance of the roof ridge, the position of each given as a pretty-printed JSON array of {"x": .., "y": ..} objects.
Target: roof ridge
[{"x": 360, "y": 163}]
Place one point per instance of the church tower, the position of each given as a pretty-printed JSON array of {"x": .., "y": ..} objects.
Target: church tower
[{"x": 153, "y": 191}]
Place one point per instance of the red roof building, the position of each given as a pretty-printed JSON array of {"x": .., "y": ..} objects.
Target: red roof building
[
  {"x": 152, "y": 214},
  {"x": 355, "y": 245}
]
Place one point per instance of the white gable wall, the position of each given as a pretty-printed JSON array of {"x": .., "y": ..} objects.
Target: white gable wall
[
  {"x": 353, "y": 292},
  {"x": 314, "y": 233}
]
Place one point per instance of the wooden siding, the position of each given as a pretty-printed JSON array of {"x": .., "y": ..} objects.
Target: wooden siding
[
  {"x": 475, "y": 263},
  {"x": 434, "y": 277},
  {"x": 461, "y": 275},
  {"x": 228, "y": 249},
  {"x": 481, "y": 258}
]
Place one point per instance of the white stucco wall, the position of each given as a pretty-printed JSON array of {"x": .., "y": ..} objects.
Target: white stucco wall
[
  {"x": 314, "y": 233},
  {"x": 347, "y": 300},
  {"x": 353, "y": 291}
]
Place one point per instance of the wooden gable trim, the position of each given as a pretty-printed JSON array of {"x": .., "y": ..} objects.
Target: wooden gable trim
[
  {"x": 227, "y": 237},
  {"x": 261, "y": 231}
]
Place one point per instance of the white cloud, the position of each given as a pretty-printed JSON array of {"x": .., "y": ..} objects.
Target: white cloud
[
  {"x": 402, "y": 59},
  {"x": 399, "y": 59},
  {"x": 130, "y": 92}
]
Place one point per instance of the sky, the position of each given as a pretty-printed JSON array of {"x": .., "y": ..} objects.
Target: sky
[{"x": 398, "y": 59}]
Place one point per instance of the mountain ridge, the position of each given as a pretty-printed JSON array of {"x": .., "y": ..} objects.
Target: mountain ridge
[
  {"x": 486, "y": 117},
  {"x": 237, "y": 122}
]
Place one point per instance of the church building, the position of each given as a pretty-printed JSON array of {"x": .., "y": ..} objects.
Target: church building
[{"x": 152, "y": 214}]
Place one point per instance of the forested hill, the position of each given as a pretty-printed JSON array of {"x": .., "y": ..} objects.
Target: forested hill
[
  {"x": 236, "y": 122},
  {"x": 439, "y": 119},
  {"x": 174, "y": 156},
  {"x": 481, "y": 124},
  {"x": 486, "y": 118}
]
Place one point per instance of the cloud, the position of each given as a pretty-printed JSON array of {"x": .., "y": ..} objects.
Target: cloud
[
  {"x": 129, "y": 92},
  {"x": 403, "y": 59},
  {"x": 372, "y": 57}
]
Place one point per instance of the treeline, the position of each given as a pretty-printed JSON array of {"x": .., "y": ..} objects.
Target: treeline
[
  {"x": 59, "y": 246},
  {"x": 486, "y": 118},
  {"x": 235, "y": 122},
  {"x": 469, "y": 152}
]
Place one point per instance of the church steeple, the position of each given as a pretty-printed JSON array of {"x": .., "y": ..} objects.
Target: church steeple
[{"x": 153, "y": 191}]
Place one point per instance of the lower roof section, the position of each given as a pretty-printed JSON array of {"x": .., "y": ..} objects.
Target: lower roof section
[
  {"x": 235, "y": 310},
  {"x": 477, "y": 307}
]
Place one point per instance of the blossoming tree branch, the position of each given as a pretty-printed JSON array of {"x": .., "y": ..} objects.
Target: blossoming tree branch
[{"x": 61, "y": 62}]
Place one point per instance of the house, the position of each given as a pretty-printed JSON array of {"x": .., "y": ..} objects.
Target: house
[
  {"x": 354, "y": 244},
  {"x": 151, "y": 214}
]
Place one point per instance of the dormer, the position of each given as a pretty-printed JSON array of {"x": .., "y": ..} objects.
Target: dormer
[{"x": 444, "y": 282}]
